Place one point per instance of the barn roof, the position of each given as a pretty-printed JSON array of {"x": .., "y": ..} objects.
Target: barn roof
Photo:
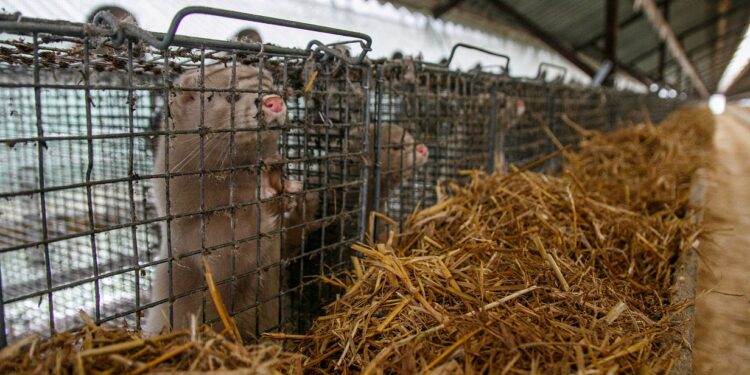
[{"x": 708, "y": 30}]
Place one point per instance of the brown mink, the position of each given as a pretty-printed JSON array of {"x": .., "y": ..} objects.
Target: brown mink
[{"x": 244, "y": 266}]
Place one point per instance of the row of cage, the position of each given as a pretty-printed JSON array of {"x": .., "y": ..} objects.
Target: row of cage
[{"x": 133, "y": 163}]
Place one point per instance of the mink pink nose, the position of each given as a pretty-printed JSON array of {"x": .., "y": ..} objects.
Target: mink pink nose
[
  {"x": 422, "y": 150},
  {"x": 274, "y": 104}
]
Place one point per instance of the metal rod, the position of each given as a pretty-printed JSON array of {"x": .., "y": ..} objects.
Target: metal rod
[
  {"x": 376, "y": 162},
  {"x": 540, "y": 70},
  {"x": 42, "y": 195},
  {"x": 610, "y": 38},
  {"x": 468, "y": 46},
  {"x": 495, "y": 147},
  {"x": 27, "y": 27},
  {"x": 551, "y": 114},
  {"x": 131, "y": 189},
  {"x": 166, "y": 41},
  {"x": 89, "y": 170},
  {"x": 363, "y": 192},
  {"x": 3, "y": 333}
]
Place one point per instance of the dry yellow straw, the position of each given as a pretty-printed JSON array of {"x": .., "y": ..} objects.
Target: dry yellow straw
[
  {"x": 219, "y": 304},
  {"x": 309, "y": 84}
]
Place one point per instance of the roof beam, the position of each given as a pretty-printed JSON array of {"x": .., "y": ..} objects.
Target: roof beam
[
  {"x": 632, "y": 18},
  {"x": 440, "y": 10},
  {"x": 634, "y": 73},
  {"x": 545, "y": 37},
  {"x": 694, "y": 29},
  {"x": 721, "y": 29},
  {"x": 663, "y": 46},
  {"x": 668, "y": 36},
  {"x": 703, "y": 51}
]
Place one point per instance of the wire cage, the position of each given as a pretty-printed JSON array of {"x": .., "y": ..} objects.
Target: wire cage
[
  {"x": 478, "y": 120},
  {"x": 129, "y": 164},
  {"x": 431, "y": 123},
  {"x": 137, "y": 162}
]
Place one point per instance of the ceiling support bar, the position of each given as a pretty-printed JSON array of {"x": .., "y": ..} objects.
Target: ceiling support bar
[
  {"x": 721, "y": 30},
  {"x": 440, "y": 10},
  {"x": 668, "y": 36},
  {"x": 738, "y": 6},
  {"x": 663, "y": 46},
  {"x": 610, "y": 38},
  {"x": 632, "y": 18}
]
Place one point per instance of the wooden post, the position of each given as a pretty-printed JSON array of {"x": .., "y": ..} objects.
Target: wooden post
[
  {"x": 663, "y": 46},
  {"x": 610, "y": 38}
]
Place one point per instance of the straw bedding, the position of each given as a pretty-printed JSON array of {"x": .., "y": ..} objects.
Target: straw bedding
[
  {"x": 524, "y": 272},
  {"x": 508, "y": 273},
  {"x": 113, "y": 350}
]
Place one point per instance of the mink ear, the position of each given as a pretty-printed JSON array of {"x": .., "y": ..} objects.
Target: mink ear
[{"x": 187, "y": 81}]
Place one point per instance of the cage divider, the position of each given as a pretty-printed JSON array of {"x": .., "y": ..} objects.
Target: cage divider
[
  {"x": 376, "y": 162},
  {"x": 42, "y": 199},
  {"x": 131, "y": 191},
  {"x": 232, "y": 185},
  {"x": 89, "y": 169},
  {"x": 202, "y": 174},
  {"x": 495, "y": 134}
]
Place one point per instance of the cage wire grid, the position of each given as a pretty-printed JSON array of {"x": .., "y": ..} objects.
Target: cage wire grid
[{"x": 82, "y": 121}]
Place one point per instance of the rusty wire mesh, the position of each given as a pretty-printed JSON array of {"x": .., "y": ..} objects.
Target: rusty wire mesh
[
  {"x": 479, "y": 120},
  {"x": 81, "y": 125}
]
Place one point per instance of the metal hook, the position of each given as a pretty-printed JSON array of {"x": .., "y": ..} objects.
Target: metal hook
[
  {"x": 506, "y": 67},
  {"x": 107, "y": 20},
  {"x": 328, "y": 51},
  {"x": 262, "y": 49},
  {"x": 550, "y": 65}
]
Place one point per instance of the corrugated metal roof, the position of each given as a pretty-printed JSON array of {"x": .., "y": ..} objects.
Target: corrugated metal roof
[{"x": 575, "y": 22}]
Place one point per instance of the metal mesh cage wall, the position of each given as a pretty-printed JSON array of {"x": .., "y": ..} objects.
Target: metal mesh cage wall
[
  {"x": 125, "y": 167},
  {"x": 82, "y": 125}
]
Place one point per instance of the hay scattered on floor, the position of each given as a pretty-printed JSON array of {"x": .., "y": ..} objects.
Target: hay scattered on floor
[
  {"x": 117, "y": 350},
  {"x": 644, "y": 167},
  {"x": 97, "y": 349},
  {"x": 530, "y": 273}
]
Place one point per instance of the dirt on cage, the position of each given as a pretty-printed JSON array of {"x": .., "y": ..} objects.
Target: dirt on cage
[{"x": 509, "y": 273}]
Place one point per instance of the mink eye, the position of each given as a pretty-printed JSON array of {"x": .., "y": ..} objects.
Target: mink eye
[{"x": 233, "y": 97}]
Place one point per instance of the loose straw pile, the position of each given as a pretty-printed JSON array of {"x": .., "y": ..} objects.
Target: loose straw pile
[
  {"x": 114, "y": 350},
  {"x": 524, "y": 272}
]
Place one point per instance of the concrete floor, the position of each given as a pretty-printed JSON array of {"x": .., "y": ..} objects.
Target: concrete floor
[{"x": 722, "y": 336}]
